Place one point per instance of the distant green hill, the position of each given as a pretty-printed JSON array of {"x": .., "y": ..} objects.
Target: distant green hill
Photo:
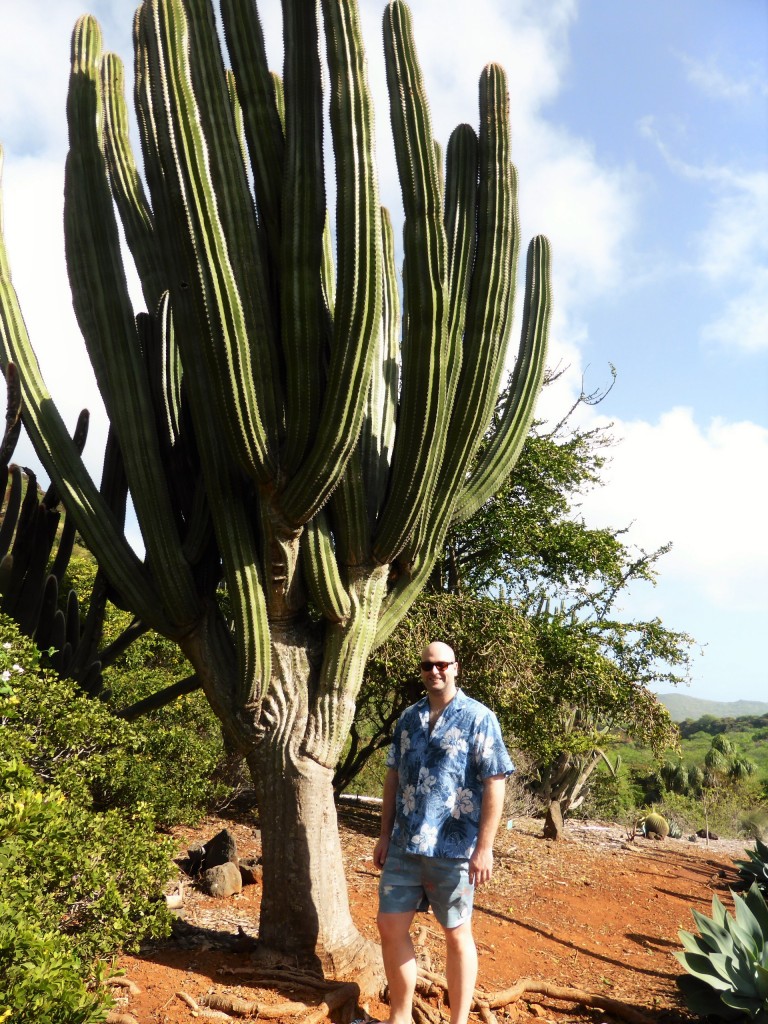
[{"x": 680, "y": 707}]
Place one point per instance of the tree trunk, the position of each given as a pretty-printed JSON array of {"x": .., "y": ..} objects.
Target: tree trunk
[
  {"x": 305, "y": 910},
  {"x": 304, "y": 904},
  {"x": 553, "y": 823}
]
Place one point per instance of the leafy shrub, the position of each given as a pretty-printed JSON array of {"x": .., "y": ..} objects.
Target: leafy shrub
[
  {"x": 41, "y": 977},
  {"x": 80, "y": 881},
  {"x": 612, "y": 797},
  {"x": 179, "y": 746},
  {"x": 77, "y": 744}
]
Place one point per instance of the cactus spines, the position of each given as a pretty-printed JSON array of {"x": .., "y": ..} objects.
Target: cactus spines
[
  {"x": 655, "y": 824},
  {"x": 285, "y": 421}
]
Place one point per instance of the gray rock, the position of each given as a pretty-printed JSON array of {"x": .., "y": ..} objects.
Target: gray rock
[{"x": 223, "y": 880}]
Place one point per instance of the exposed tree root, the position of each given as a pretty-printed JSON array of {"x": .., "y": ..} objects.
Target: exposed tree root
[
  {"x": 125, "y": 983},
  {"x": 485, "y": 1002},
  {"x": 336, "y": 996}
]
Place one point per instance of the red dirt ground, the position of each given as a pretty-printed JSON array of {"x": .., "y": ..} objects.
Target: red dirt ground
[{"x": 593, "y": 911}]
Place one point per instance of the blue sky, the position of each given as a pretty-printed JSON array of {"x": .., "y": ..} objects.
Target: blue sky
[{"x": 641, "y": 134}]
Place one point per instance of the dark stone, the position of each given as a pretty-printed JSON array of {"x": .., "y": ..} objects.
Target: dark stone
[
  {"x": 702, "y": 834},
  {"x": 222, "y": 849},
  {"x": 192, "y": 864},
  {"x": 251, "y": 870}
]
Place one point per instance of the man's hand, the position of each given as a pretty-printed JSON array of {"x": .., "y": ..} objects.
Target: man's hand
[
  {"x": 481, "y": 866},
  {"x": 380, "y": 852}
]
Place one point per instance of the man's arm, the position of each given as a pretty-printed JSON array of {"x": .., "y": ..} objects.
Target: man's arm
[
  {"x": 481, "y": 861},
  {"x": 388, "y": 806}
]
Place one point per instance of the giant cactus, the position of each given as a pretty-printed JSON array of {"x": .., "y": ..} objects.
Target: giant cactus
[{"x": 283, "y": 429}]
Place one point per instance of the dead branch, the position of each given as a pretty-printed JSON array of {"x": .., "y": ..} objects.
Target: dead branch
[
  {"x": 281, "y": 979},
  {"x": 429, "y": 981},
  {"x": 334, "y": 999},
  {"x": 191, "y": 1003},
  {"x": 237, "y": 1007},
  {"x": 423, "y": 1013},
  {"x": 125, "y": 983},
  {"x": 486, "y": 1013},
  {"x": 574, "y": 995}
]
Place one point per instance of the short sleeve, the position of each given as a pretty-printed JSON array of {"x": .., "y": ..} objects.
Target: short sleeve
[
  {"x": 393, "y": 754},
  {"x": 489, "y": 751}
]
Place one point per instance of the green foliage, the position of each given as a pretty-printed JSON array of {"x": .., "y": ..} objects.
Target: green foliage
[
  {"x": 754, "y": 871},
  {"x": 727, "y": 962},
  {"x": 496, "y": 652},
  {"x": 80, "y": 881},
  {"x": 164, "y": 762}
]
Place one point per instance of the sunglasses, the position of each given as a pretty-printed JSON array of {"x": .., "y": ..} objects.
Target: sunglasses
[{"x": 441, "y": 666}]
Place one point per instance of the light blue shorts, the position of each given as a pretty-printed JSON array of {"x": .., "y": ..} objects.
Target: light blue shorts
[{"x": 410, "y": 882}]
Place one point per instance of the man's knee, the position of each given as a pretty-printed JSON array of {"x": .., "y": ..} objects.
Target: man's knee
[
  {"x": 394, "y": 926},
  {"x": 460, "y": 937}
]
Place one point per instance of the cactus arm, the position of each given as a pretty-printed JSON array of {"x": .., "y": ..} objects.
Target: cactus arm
[
  {"x": 421, "y": 428},
  {"x": 346, "y": 651},
  {"x": 328, "y": 269},
  {"x": 321, "y": 570},
  {"x": 378, "y": 434},
  {"x": 237, "y": 116},
  {"x": 185, "y": 176},
  {"x": 460, "y": 226},
  {"x": 12, "y": 508},
  {"x": 277, "y": 83},
  {"x": 103, "y": 309},
  {"x": 350, "y": 516},
  {"x": 357, "y": 311},
  {"x": 12, "y": 409},
  {"x": 301, "y": 302},
  {"x": 526, "y": 384},
  {"x": 261, "y": 117},
  {"x": 237, "y": 216},
  {"x": 488, "y": 316},
  {"x": 62, "y": 462},
  {"x": 126, "y": 185}
]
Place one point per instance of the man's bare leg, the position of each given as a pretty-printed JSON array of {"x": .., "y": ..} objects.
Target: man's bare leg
[
  {"x": 399, "y": 963},
  {"x": 460, "y": 970}
]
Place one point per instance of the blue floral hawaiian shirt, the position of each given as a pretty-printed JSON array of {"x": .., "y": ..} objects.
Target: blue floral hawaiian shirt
[{"x": 442, "y": 774}]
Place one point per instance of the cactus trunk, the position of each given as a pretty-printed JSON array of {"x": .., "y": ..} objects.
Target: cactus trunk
[{"x": 293, "y": 430}]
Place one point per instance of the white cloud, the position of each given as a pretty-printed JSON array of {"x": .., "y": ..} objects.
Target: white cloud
[
  {"x": 731, "y": 250},
  {"x": 704, "y": 489},
  {"x": 712, "y": 81}
]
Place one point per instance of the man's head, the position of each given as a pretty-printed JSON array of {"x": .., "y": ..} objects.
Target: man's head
[{"x": 439, "y": 670}]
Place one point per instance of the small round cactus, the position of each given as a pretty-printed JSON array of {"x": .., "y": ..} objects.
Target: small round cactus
[{"x": 654, "y": 824}]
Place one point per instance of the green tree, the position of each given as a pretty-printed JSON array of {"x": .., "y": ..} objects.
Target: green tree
[
  {"x": 273, "y": 429},
  {"x": 579, "y": 677}
]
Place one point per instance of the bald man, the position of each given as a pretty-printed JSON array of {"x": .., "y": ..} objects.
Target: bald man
[{"x": 443, "y": 797}]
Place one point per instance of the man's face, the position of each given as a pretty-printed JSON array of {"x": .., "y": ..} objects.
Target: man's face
[{"x": 439, "y": 679}]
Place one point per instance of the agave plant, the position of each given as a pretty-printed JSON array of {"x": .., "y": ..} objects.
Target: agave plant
[
  {"x": 755, "y": 870},
  {"x": 727, "y": 962}
]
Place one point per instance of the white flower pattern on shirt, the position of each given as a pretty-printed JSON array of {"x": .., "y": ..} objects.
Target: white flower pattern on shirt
[
  {"x": 441, "y": 775},
  {"x": 424, "y": 839},
  {"x": 409, "y": 799},
  {"x": 454, "y": 742},
  {"x": 460, "y": 802}
]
